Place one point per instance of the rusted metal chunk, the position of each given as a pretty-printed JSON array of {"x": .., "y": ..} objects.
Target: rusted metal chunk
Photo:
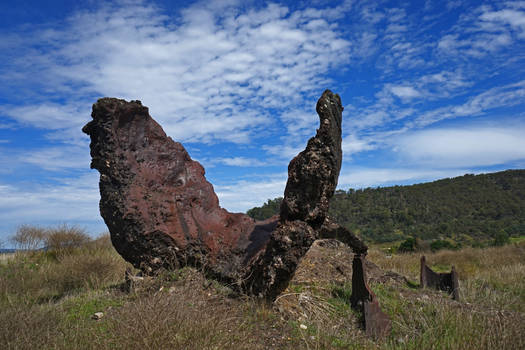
[
  {"x": 447, "y": 282},
  {"x": 376, "y": 323},
  {"x": 332, "y": 230}
]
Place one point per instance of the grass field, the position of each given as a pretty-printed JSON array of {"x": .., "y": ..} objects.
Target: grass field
[{"x": 48, "y": 299}]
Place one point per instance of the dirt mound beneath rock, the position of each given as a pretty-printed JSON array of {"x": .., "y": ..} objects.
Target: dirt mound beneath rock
[{"x": 330, "y": 262}]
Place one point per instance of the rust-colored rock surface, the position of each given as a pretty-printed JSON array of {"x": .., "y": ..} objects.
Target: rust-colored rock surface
[
  {"x": 162, "y": 212},
  {"x": 155, "y": 199}
]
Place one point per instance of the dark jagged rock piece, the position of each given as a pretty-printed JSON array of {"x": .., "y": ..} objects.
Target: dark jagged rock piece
[
  {"x": 313, "y": 173},
  {"x": 447, "y": 282},
  {"x": 161, "y": 211},
  {"x": 312, "y": 179},
  {"x": 377, "y": 324},
  {"x": 332, "y": 230}
]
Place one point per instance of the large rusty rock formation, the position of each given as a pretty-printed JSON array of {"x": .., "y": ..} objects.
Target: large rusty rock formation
[{"x": 161, "y": 211}]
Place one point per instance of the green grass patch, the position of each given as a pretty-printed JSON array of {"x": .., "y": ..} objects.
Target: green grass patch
[
  {"x": 83, "y": 307},
  {"x": 519, "y": 239}
]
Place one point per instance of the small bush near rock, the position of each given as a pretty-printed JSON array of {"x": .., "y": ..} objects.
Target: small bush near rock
[
  {"x": 65, "y": 238},
  {"x": 29, "y": 237}
]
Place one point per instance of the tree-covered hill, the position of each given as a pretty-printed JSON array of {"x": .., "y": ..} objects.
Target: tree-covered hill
[{"x": 469, "y": 209}]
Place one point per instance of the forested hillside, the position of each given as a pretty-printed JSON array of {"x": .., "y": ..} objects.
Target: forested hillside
[{"x": 470, "y": 209}]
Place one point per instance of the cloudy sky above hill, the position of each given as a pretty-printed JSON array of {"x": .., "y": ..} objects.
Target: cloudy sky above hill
[{"x": 431, "y": 89}]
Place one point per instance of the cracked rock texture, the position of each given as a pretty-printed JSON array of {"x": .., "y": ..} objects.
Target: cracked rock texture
[{"x": 162, "y": 212}]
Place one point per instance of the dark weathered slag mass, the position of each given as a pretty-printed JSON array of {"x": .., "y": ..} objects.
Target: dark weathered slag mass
[
  {"x": 447, "y": 282},
  {"x": 162, "y": 212}
]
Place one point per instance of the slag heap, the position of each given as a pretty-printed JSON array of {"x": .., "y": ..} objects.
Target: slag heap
[{"x": 162, "y": 212}]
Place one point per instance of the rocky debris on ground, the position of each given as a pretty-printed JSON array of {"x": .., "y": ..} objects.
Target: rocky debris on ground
[
  {"x": 132, "y": 282},
  {"x": 97, "y": 316},
  {"x": 330, "y": 262},
  {"x": 163, "y": 213}
]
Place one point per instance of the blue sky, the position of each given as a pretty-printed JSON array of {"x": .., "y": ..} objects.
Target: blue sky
[{"x": 431, "y": 89}]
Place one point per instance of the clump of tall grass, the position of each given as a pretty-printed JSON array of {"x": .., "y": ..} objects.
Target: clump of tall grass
[
  {"x": 71, "y": 262},
  {"x": 65, "y": 238},
  {"x": 61, "y": 239},
  {"x": 47, "y": 299},
  {"x": 28, "y": 237}
]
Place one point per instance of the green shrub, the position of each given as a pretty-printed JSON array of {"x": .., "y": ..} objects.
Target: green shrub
[
  {"x": 501, "y": 238},
  {"x": 442, "y": 244},
  {"x": 409, "y": 245}
]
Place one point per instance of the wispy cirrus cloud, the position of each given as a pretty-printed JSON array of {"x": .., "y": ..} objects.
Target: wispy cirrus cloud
[
  {"x": 242, "y": 194},
  {"x": 488, "y": 29},
  {"x": 57, "y": 158},
  {"x": 404, "y": 92},
  {"x": 50, "y": 116},
  {"x": 240, "y": 162},
  {"x": 209, "y": 76},
  {"x": 498, "y": 97},
  {"x": 74, "y": 199}
]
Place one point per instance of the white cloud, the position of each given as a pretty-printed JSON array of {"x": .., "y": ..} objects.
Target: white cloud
[
  {"x": 53, "y": 159},
  {"x": 453, "y": 4},
  {"x": 386, "y": 108},
  {"x": 285, "y": 151},
  {"x": 240, "y": 161},
  {"x": 443, "y": 83},
  {"x": 405, "y": 92},
  {"x": 57, "y": 158},
  {"x": 464, "y": 147},
  {"x": 352, "y": 144},
  {"x": 485, "y": 31},
  {"x": 48, "y": 115},
  {"x": 74, "y": 201},
  {"x": 512, "y": 17},
  {"x": 209, "y": 77},
  {"x": 362, "y": 177},
  {"x": 502, "y": 96},
  {"x": 300, "y": 122},
  {"x": 243, "y": 195}
]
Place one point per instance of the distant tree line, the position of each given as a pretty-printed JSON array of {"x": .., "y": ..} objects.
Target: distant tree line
[{"x": 466, "y": 210}]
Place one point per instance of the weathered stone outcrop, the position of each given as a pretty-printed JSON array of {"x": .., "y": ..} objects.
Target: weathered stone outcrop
[
  {"x": 155, "y": 200},
  {"x": 312, "y": 179},
  {"x": 161, "y": 211}
]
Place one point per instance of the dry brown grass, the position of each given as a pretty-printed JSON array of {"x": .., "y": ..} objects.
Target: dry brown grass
[
  {"x": 64, "y": 238},
  {"x": 47, "y": 302},
  {"x": 41, "y": 276},
  {"x": 5, "y": 257},
  {"x": 469, "y": 261},
  {"x": 493, "y": 277}
]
